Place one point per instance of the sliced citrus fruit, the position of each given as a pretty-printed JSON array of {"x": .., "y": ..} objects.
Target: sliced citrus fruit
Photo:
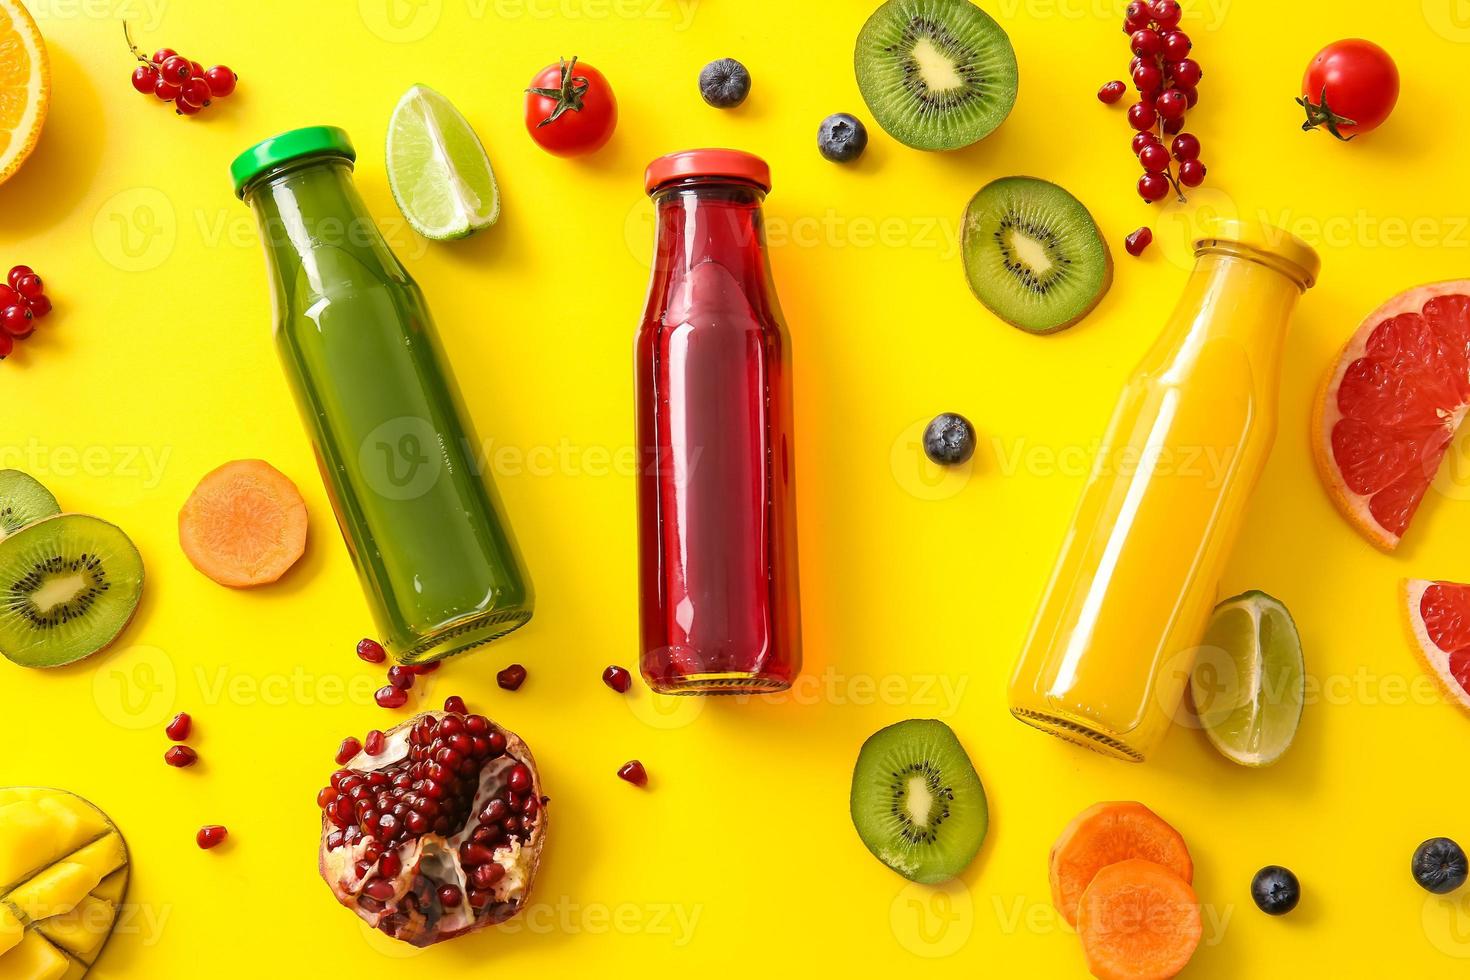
[
  {"x": 1391, "y": 406},
  {"x": 1249, "y": 680},
  {"x": 25, "y": 86},
  {"x": 1439, "y": 619},
  {"x": 437, "y": 168}
]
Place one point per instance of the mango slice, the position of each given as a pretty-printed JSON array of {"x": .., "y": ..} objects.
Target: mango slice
[{"x": 63, "y": 875}]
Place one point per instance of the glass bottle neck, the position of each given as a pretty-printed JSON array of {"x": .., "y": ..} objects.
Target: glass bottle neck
[
  {"x": 1238, "y": 293},
  {"x": 710, "y": 222},
  {"x": 308, "y": 205}
]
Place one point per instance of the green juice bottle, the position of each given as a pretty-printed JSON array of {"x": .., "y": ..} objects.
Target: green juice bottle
[{"x": 399, "y": 458}]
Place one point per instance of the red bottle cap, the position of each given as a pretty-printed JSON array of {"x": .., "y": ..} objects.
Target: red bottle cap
[{"x": 707, "y": 163}]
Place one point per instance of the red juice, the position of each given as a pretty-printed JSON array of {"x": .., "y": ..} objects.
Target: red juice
[{"x": 717, "y": 521}]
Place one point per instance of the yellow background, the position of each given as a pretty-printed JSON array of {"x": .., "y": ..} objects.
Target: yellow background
[{"x": 158, "y": 365}]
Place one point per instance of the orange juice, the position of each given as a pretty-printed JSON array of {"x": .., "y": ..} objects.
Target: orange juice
[{"x": 1113, "y": 642}]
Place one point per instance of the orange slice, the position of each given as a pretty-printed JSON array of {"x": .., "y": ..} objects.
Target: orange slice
[
  {"x": 1391, "y": 405},
  {"x": 25, "y": 86},
  {"x": 1439, "y": 619}
]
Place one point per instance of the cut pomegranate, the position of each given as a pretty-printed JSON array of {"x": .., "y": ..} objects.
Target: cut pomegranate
[
  {"x": 512, "y": 677},
  {"x": 634, "y": 773},
  {"x": 178, "y": 729},
  {"x": 211, "y": 836},
  {"x": 181, "y": 756},
  {"x": 617, "y": 678},
  {"x": 438, "y": 835}
]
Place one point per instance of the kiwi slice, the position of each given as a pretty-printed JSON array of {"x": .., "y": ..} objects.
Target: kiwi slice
[
  {"x": 936, "y": 74},
  {"x": 68, "y": 586},
  {"x": 23, "y": 501},
  {"x": 1033, "y": 254},
  {"x": 917, "y": 803}
]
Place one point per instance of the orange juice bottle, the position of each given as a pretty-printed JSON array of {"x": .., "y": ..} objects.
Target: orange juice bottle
[{"x": 1112, "y": 644}]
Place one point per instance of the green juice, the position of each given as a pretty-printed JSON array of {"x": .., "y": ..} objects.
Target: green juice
[{"x": 397, "y": 453}]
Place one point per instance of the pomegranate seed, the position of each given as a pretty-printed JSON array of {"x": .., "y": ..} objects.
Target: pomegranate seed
[
  {"x": 486, "y": 875},
  {"x": 326, "y": 797},
  {"x": 617, "y": 678},
  {"x": 181, "y": 756},
  {"x": 380, "y": 888},
  {"x": 428, "y": 668},
  {"x": 479, "y": 899},
  {"x": 1137, "y": 242},
  {"x": 178, "y": 729},
  {"x": 519, "y": 779},
  {"x": 512, "y": 677},
  {"x": 450, "y": 896},
  {"x": 372, "y": 651},
  {"x": 455, "y": 705},
  {"x": 400, "y": 677},
  {"x": 375, "y": 742},
  {"x": 634, "y": 773},
  {"x": 473, "y": 854},
  {"x": 1111, "y": 92},
  {"x": 477, "y": 724},
  {"x": 391, "y": 697},
  {"x": 390, "y": 865},
  {"x": 349, "y": 748},
  {"x": 211, "y": 836}
]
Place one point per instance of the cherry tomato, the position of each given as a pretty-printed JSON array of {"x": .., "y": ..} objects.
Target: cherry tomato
[
  {"x": 1350, "y": 88},
  {"x": 570, "y": 109}
]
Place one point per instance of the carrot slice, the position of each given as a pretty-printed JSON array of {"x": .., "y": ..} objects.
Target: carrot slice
[
  {"x": 244, "y": 525},
  {"x": 1138, "y": 921},
  {"x": 1105, "y": 834}
]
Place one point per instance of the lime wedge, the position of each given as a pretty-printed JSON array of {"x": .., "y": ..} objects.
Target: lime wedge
[
  {"x": 440, "y": 175},
  {"x": 1249, "y": 680}
]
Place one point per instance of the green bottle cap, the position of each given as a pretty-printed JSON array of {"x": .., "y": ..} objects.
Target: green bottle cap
[{"x": 293, "y": 145}]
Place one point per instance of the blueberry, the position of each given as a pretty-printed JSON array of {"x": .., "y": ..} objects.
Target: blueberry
[
  {"x": 842, "y": 138},
  {"x": 1439, "y": 866},
  {"x": 724, "y": 83},
  {"x": 949, "y": 440},
  {"x": 1275, "y": 890}
]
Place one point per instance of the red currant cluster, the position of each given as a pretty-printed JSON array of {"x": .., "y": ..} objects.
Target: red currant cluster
[
  {"x": 1167, "y": 80},
  {"x": 22, "y": 302},
  {"x": 173, "y": 78}
]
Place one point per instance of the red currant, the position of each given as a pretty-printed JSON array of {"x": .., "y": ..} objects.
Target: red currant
[
  {"x": 1142, "y": 116},
  {"x": 1138, "y": 241},
  {"x": 1153, "y": 187},
  {"x": 40, "y": 306},
  {"x": 196, "y": 70},
  {"x": 16, "y": 321},
  {"x": 8, "y": 296},
  {"x": 7, "y": 344},
  {"x": 1173, "y": 126},
  {"x": 1191, "y": 173},
  {"x": 166, "y": 91},
  {"x": 195, "y": 92},
  {"x": 1171, "y": 104},
  {"x": 1167, "y": 13},
  {"x": 162, "y": 55},
  {"x": 1191, "y": 95},
  {"x": 16, "y": 272},
  {"x": 1185, "y": 147},
  {"x": 29, "y": 285},
  {"x": 1109, "y": 93},
  {"x": 1186, "y": 73},
  {"x": 176, "y": 70},
  {"x": 1148, "y": 78},
  {"x": 1147, "y": 43},
  {"x": 1155, "y": 158},
  {"x": 1136, "y": 17},
  {"x": 1176, "y": 46},
  {"x": 144, "y": 78},
  {"x": 1140, "y": 140},
  {"x": 185, "y": 108},
  {"x": 221, "y": 81}
]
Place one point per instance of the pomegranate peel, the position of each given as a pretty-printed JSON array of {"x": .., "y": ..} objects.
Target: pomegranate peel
[{"x": 437, "y": 835}]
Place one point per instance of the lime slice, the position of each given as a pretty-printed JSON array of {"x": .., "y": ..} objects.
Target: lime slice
[
  {"x": 440, "y": 175},
  {"x": 1248, "y": 680}
]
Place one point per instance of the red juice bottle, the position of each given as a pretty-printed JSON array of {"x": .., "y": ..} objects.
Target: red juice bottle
[{"x": 716, "y": 501}]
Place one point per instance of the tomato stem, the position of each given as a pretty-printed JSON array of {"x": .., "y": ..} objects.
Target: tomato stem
[
  {"x": 1320, "y": 114},
  {"x": 569, "y": 95}
]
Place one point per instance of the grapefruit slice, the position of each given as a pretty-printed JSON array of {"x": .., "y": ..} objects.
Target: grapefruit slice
[
  {"x": 25, "y": 86},
  {"x": 1439, "y": 619},
  {"x": 1391, "y": 406}
]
